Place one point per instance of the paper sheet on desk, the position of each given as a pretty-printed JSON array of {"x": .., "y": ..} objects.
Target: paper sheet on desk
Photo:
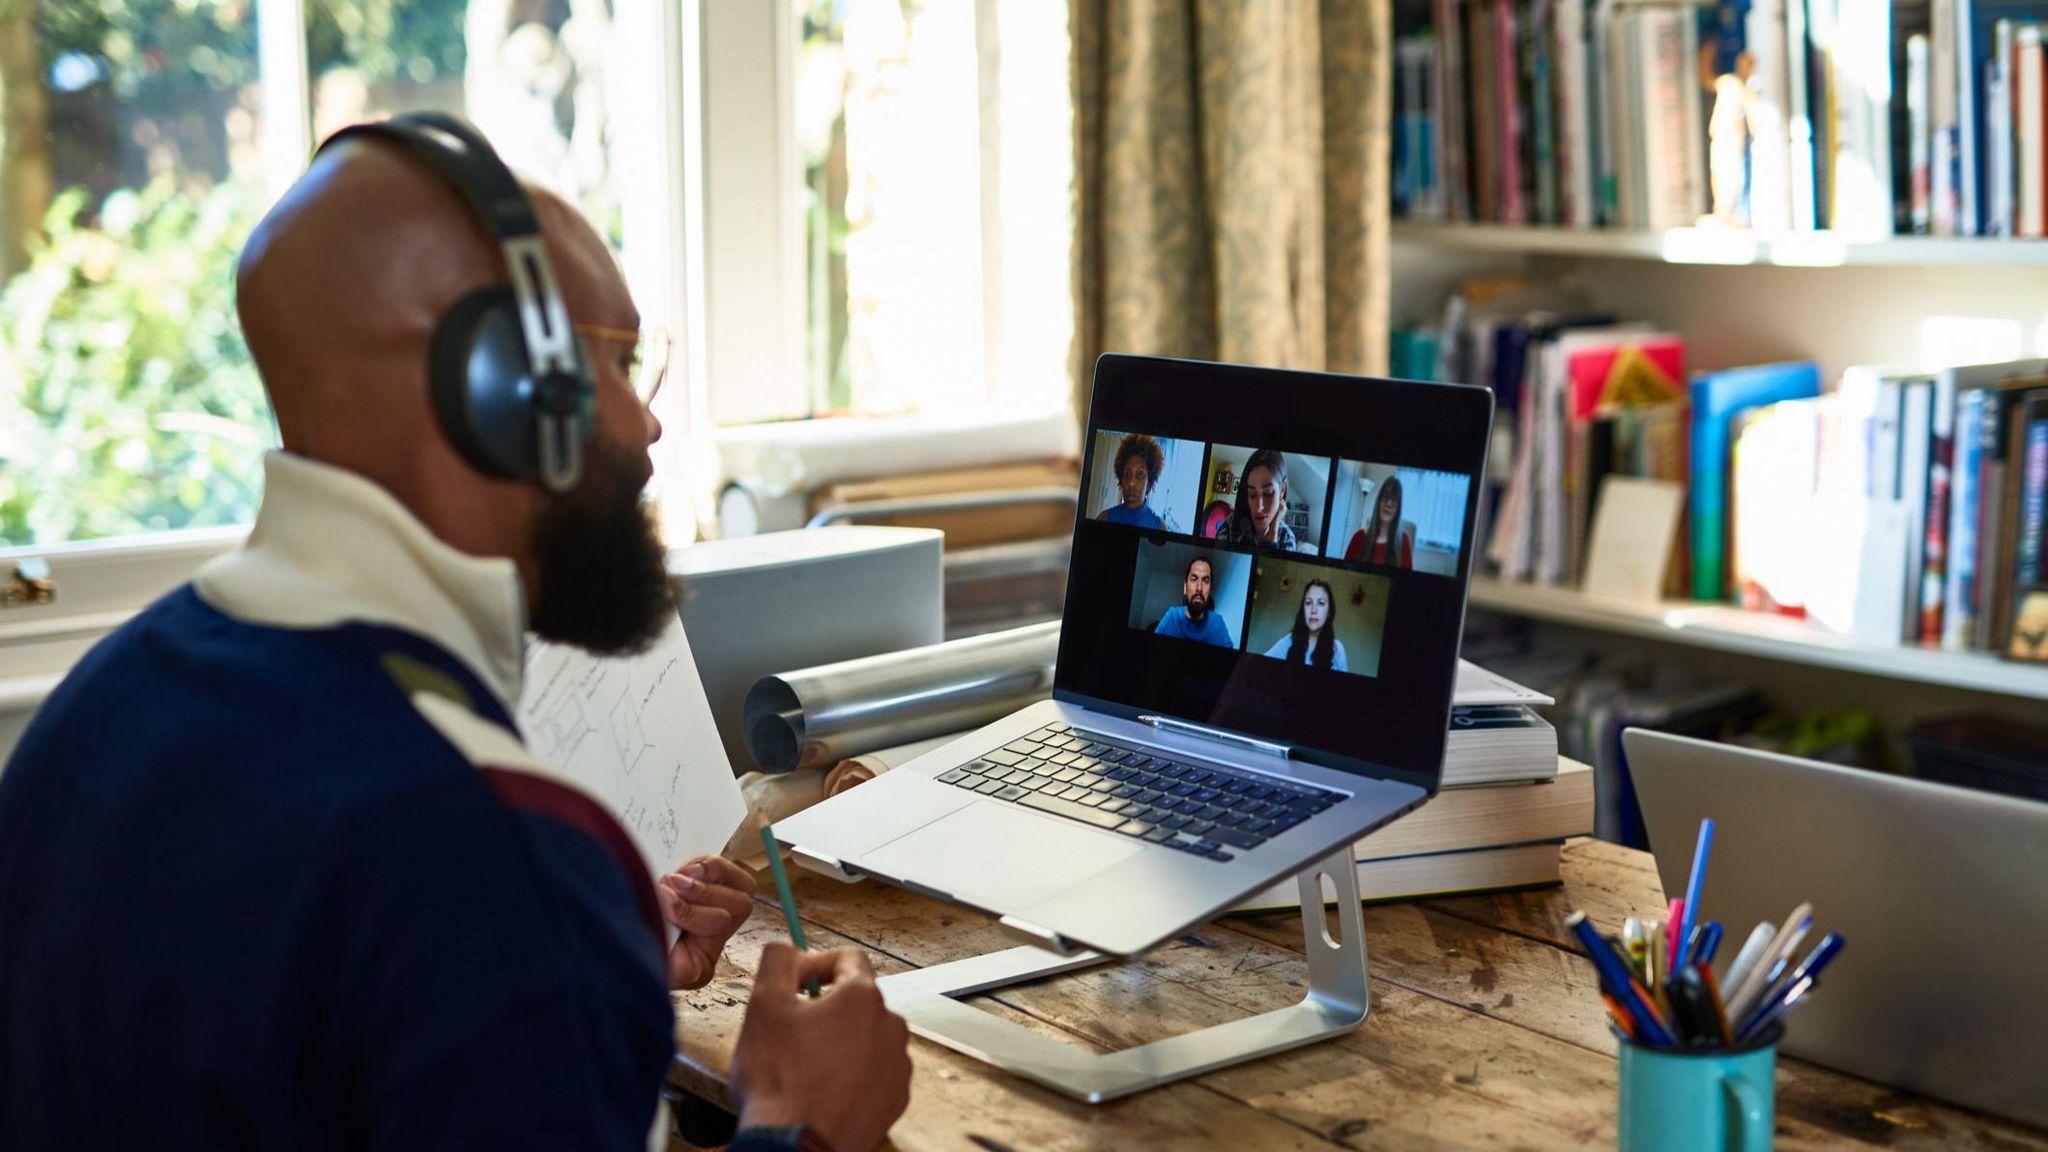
[
  {"x": 1477, "y": 686},
  {"x": 636, "y": 733}
]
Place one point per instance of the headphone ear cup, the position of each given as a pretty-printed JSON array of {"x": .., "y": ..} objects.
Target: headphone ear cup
[{"x": 482, "y": 385}]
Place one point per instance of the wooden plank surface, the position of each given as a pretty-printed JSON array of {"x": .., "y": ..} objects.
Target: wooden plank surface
[{"x": 1486, "y": 1030}]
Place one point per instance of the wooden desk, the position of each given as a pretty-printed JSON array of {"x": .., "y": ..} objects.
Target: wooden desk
[{"x": 1486, "y": 1031}]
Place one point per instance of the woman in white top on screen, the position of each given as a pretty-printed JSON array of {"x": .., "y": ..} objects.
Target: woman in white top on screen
[{"x": 1314, "y": 639}]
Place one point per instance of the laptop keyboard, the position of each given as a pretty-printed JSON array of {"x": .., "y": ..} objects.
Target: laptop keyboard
[{"x": 1204, "y": 811}]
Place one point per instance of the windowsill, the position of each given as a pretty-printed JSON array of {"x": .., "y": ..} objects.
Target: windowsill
[{"x": 100, "y": 585}]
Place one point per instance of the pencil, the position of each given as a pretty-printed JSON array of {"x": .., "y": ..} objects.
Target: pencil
[{"x": 788, "y": 898}]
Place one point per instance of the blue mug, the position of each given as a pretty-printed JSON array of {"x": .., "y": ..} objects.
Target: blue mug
[{"x": 1699, "y": 1099}]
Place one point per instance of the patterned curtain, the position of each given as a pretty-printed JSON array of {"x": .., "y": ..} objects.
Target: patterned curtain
[{"x": 1231, "y": 173}]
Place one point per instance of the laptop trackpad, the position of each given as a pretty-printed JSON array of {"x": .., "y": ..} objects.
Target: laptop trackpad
[{"x": 998, "y": 856}]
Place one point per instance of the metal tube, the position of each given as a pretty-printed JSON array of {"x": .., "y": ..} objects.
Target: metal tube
[{"x": 817, "y": 717}]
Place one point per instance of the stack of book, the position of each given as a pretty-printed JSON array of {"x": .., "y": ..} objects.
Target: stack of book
[{"x": 1506, "y": 807}]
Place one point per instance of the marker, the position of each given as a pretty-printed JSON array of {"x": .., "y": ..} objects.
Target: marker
[
  {"x": 1693, "y": 1010},
  {"x": 1752, "y": 950},
  {"x": 1693, "y": 883},
  {"x": 1721, "y": 1020},
  {"x": 1823, "y": 954},
  {"x": 1613, "y": 972},
  {"x": 1674, "y": 942},
  {"x": 788, "y": 898},
  {"x": 1635, "y": 945}
]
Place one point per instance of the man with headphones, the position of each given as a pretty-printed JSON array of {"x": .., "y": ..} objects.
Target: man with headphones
[{"x": 276, "y": 870}]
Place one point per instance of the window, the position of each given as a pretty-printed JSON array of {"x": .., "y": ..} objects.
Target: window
[
  {"x": 888, "y": 183},
  {"x": 140, "y": 144}
]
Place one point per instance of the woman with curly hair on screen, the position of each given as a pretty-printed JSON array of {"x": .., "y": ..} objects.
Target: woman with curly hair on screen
[{"x": 1139, "y": 460}]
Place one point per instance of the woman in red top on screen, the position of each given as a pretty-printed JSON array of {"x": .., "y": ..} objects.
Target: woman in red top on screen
[{"x": 1385, "y": 539}]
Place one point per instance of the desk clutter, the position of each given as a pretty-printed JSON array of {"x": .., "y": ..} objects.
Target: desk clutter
[
  {"x": 1658, "y": 980},
  {"x": 1507, "y": 805}
]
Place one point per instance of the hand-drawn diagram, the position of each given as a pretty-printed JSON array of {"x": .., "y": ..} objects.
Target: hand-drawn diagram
[{"x": 636, "y": 733}]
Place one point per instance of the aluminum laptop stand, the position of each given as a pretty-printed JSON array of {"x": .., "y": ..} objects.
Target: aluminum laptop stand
[{"x": 1337, "y": 1001}]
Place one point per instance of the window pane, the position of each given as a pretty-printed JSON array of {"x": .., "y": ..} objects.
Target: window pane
[
  {"x": 128, "y": 179},
  {"x": 937, "y": 162},
  {"x": 533, "y": 76}
]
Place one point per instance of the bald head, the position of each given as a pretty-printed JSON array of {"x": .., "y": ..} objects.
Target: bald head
[{"x": 339, "y": 290}]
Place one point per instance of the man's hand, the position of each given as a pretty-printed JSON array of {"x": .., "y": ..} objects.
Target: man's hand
[
  {"x": 839, "y": 1064},
  {"x": 707, "y": 899}
]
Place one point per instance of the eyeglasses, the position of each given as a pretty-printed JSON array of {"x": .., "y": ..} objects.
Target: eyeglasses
[{"x": 648, "y": 349}]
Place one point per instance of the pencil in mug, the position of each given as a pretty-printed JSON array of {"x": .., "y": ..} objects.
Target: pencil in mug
[{"x": 788, "y": 898}]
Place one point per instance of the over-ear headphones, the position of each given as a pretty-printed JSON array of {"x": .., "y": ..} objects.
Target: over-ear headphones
[{"x": 508, "y": 377}]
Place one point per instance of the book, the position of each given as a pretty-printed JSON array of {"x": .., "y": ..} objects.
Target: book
[
  {"x": 1462, "y": 819},
  {"x": 1916, "y": 443},
  {"x": 1959, "y": 597},
  {"x": 1941, "y": 443},
  {"x": 1717, "y": 399},
  {"x": 1436, "y": 874},
  {"x": 2033, "y": 504},
  {"x": 1495, "y": 743}
]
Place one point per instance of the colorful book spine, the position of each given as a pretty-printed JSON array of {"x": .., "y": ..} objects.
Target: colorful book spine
[
  {"x": 1717, "y": 399},
  {"x": 2033, "y": 510},
  {"x": 1940, "y": 486},
  {"x": 1959, "y": 599}
]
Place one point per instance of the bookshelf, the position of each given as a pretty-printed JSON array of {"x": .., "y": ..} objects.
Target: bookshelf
[
  {"x": 1727, "y": 247},
  {"x": 1726, "y": 628}
]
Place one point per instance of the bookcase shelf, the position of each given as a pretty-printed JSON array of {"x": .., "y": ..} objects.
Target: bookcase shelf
[
  {"x": 1728, "y": 247},
  {"x": 1725, "y": 628}
]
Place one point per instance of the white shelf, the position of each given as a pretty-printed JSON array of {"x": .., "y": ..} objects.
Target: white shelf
[
  {"x": 1725, "y": 628},
  {"x": 1728, "y": 246}
]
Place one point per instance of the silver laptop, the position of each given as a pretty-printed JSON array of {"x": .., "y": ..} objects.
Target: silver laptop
[
  {"x": 1256, "y": 662},
  {"x": 1937, "y": 892}
]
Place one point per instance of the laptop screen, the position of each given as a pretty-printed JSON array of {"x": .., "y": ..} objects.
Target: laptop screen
[{"x": 1281, "y": 554}]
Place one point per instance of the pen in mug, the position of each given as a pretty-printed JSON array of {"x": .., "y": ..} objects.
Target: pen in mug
[
  {"x": 1774, "y": 1010},
  {"x": 1752, "y": 949},
  {"x": 1635, "y": 945},
  {"x": 1613, "y": 972},
  {"x": 788, "y": 898},
  {"x": 1682, "y": 935},
  {"x": 1743, "y": 1000}
]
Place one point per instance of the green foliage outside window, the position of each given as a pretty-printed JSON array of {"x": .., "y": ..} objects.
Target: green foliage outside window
[
  {"x": 128, "y": 402},
  {"x": 127, "y": 399}
]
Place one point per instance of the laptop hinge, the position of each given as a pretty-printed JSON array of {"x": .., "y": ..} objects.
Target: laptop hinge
[{"x": 1220, "y": 735}]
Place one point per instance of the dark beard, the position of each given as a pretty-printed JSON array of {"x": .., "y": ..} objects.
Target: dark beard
[
  {"x": 1196, "y": 614},
  {"x": 599, "y": 561}
]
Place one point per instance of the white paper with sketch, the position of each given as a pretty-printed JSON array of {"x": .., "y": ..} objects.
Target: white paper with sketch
[{"x": 636, "y": 733}]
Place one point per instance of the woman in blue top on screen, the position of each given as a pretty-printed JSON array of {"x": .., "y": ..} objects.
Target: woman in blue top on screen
[
  {"x": 1261, "y": 515},
  {"x": 1314, "y": 639},
  {"x": 1139, "y": 461}
]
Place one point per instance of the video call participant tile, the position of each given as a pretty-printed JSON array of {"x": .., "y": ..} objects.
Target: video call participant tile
[
  {"x": 1142, "y": 481},
  {"x": 1393, "y": 517},
  {"x": 1265, "y": 498},
  {"x": 1317, "y": 616},
  {"x": 1190, "y": 592}
]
